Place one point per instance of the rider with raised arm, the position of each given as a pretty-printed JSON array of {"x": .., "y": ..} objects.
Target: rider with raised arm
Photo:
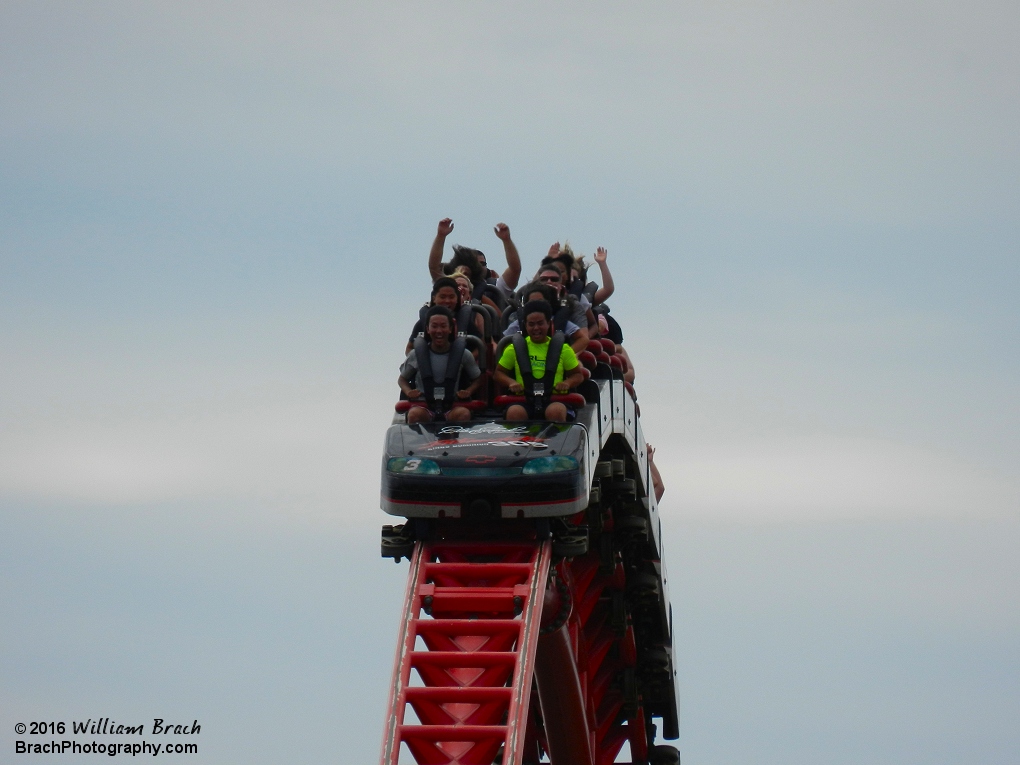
[
  {"x": 506, "y": 283},
  {"x": 542, "y": 366},
  {"x": 438, "y": 365},
  {"x": 599, "y": 294}
]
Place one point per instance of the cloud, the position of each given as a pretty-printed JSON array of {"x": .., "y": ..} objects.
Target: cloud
[
  {"x": 839, "y": 110},
  {"x": 829, "y": 477},
  {"x": 309, "y": 450}
]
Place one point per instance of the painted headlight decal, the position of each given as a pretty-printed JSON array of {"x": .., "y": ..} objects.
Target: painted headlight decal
[
  {"x": 558, "y": 464},
  {"x": 412, "y": 465}
]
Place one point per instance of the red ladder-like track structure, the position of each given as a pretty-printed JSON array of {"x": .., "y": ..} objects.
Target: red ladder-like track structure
[
  {"x": 527, "y": 638},
  {"x": 516, "y": 656}
]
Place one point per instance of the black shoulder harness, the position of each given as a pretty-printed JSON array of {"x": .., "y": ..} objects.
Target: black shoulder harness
[
  {"x": 439, "y": 394},
  {"x": 537, "y": 390}
]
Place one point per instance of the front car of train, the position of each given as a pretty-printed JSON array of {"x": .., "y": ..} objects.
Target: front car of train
[
  {"x": 537, "y": 620},
  {"x": 485, "y": 470}
]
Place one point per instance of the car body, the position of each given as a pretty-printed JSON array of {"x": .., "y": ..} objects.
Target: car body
[{"x": 485, "y": 469}]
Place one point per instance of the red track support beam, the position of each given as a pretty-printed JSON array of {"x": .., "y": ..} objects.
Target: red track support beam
[
  {"x": 564, "y": 707},
  {"x": 469, "y": 630}
]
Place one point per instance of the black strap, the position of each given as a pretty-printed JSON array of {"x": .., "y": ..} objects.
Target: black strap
[
  {"x": 466, "y": 320},
  {"x": 450, "y": 379},
  {"x": 560, "y": 318},
  {"x": 552, "y": 361}
]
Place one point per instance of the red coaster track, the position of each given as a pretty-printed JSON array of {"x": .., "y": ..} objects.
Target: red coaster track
[
  {"x": 515, "y": 656},
  {"x": 536, "y": 624}
]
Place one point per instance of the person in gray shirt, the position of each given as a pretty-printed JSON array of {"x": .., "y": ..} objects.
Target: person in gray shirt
[{"x": 438, "y": 385}]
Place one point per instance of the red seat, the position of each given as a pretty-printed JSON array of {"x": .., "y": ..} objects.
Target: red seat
[
  {"x": 595, "y": 347},
  {"x": 472, "y": 405},
  {"x": 570, "y": 399},
  {"x": 617, "y": 362},
  {"x": 603, "y": 358},
  {"x": 587, "y": 359},
  {"x": 404, "y": 406}
]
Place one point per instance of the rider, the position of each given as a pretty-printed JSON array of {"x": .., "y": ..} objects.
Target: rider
[
  {"x": 595, "y": 294},
  {"x": 541, "y": 365},
  {"x": 561, "y": 314},
  {"x": 576, "y": 313},
  {"x": 506, "y": 283},
  {"x": 438, "y": 364},
  {"x": 446, "y": 292}
]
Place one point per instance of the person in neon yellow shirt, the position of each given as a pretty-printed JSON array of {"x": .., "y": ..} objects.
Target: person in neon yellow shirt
[{"x": 533, "y": 380}]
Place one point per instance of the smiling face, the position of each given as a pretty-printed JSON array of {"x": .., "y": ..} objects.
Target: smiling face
[
  {"x": 464, "y": 285},
  {"x": 537, "y": 327},
  {"x": 439, "y": 331},
  {"x": 446, "y": 297}
]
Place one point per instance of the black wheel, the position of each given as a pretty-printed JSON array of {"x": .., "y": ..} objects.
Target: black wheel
[
  {"x": 643, "y": 589},
  {"x": 664, "y": 754},
  {"x": 396, "y": 543},
  {"x": 570, "y": 546},
  {"x": 632, "y": 528}
]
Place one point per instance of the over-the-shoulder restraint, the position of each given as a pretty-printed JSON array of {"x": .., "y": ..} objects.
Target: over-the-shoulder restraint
[
  {"x": 440, "y": 394},
  {"x": 537, "y": 390}
]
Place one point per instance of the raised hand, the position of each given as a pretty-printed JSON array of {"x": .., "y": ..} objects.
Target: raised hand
[
  {"x": 601, "y": 254},
  {"x": 445, "y": 227},
  {"x": 502, "y": 231},
  {"x": 554, "y": 249}
]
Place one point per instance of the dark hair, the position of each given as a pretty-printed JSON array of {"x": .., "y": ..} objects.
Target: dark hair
[
  {"x": 536, "y": 306},
  {"x": 445, "y": 281},
  {"x": 565, "y": 259},
  {"x": 548, "y": 293},
  {"x": 582, "y": 268},
  {"x": 465, "y": 256},
  {"x": 440, "y": 310}
]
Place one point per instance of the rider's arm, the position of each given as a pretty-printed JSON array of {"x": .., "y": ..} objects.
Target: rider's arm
[
  {"x": 513, "y": 260},
  {"x": 579, "y": 340},
  {"x": 603, "y": 293},
  {"x": 571, "y": 379},
  {"x": 469, "y": 391},
  {"x": 657, "y": 485},
  {"x": 406, "y": 389},
  {"x": 502, "y": 375},
  {"x": 436, "y": 253}
]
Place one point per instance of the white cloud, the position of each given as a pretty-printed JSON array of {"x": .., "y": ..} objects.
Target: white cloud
[{"x": 304, "y": 449}]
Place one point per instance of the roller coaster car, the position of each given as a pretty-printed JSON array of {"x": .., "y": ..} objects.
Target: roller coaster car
[
  {"x": 535, "y": 549},
  {"x": 485, "y": 470}
]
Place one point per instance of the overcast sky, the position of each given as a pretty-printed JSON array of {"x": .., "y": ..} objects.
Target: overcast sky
[{"x": 214, "y": 220}]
